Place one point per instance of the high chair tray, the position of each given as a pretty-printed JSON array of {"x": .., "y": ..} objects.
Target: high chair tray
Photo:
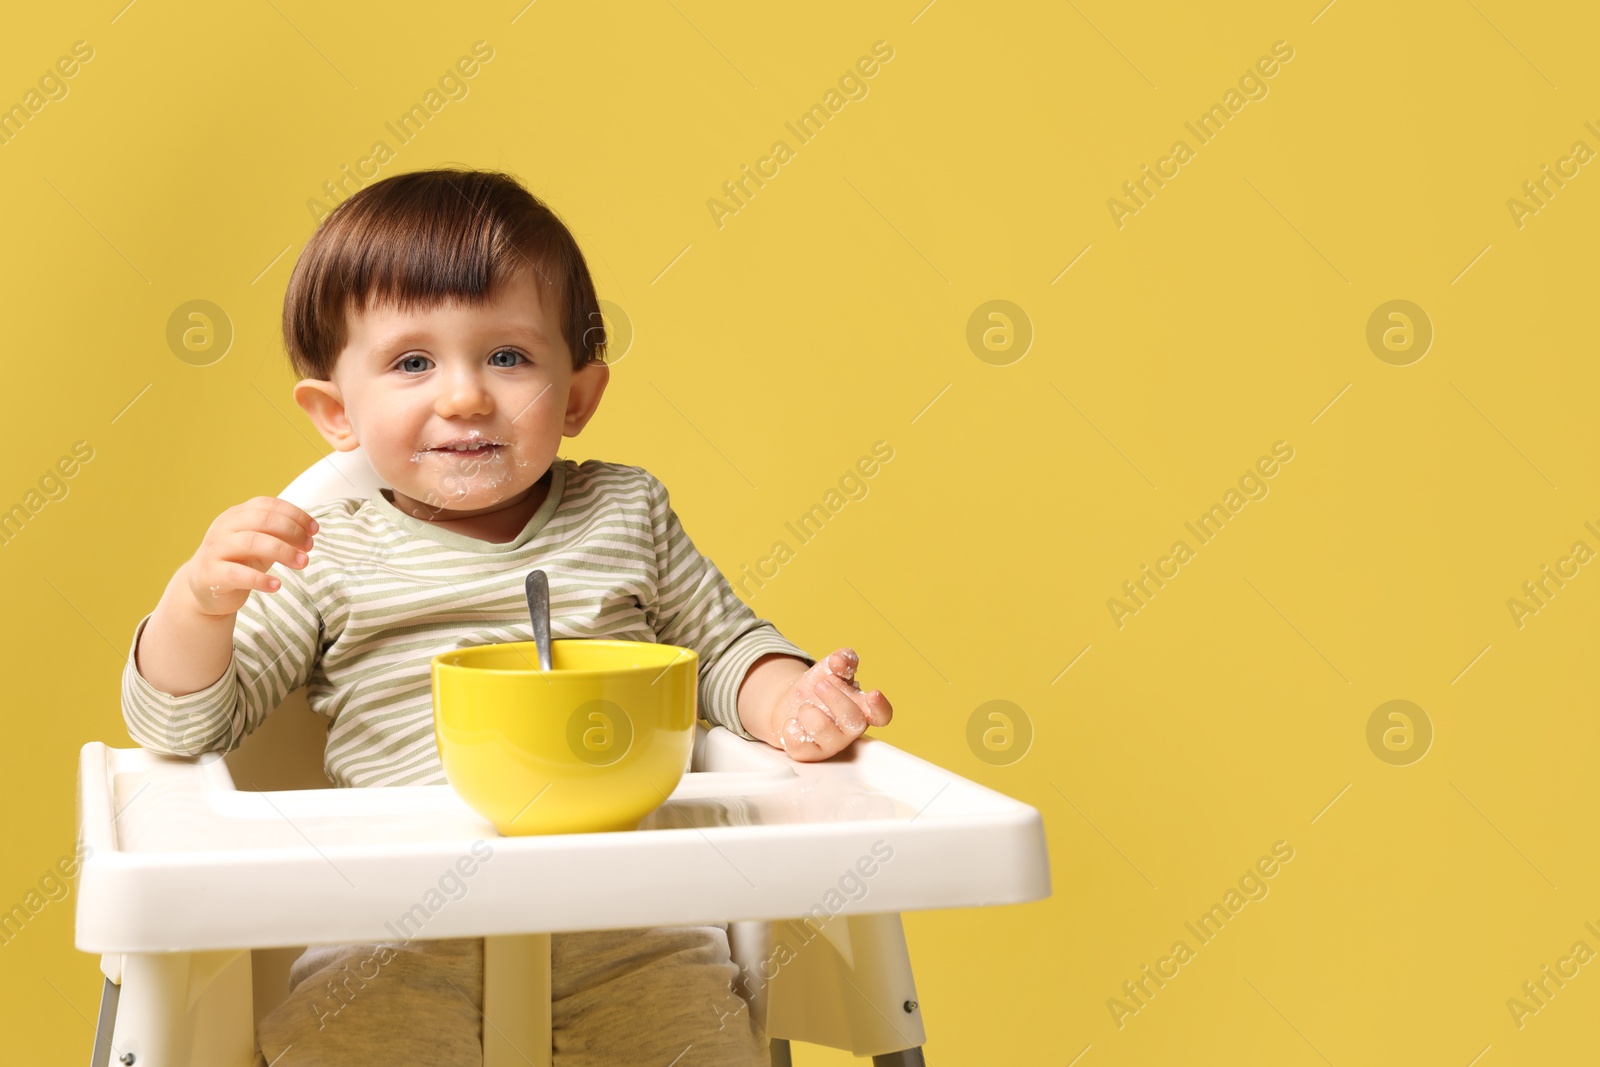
[{"x": 179, "y": 859}]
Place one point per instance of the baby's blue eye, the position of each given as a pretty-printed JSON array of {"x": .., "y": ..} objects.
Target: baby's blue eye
[{"x": 502, "y": 352}]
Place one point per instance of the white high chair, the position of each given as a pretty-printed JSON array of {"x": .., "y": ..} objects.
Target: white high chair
[{"x": 189, "y": 975}]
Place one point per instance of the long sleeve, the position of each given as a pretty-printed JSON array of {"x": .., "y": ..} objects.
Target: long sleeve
[
  {"x": 697, "y": 608},
  {"x": 277, "y": 638}
]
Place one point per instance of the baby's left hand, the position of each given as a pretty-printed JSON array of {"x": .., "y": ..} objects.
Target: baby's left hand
[{"x": 824, "y": 710}]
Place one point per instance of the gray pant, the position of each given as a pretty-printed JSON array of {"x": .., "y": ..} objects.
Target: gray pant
[{"x": 646, "y": 997}]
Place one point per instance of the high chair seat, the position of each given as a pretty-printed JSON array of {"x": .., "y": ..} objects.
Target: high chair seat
[{"x": 193, "y": 890}]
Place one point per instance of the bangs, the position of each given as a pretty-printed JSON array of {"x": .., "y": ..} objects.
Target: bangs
[{"x": 420, "y": 239}]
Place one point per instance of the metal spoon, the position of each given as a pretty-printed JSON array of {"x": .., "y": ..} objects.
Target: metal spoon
[{"x": 538, "y": 590}]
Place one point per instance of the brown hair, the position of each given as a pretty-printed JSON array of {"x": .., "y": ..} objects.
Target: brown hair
[{"x": 420, "y": 238}]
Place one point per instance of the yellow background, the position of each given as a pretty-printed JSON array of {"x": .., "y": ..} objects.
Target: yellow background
[{"x": 826, "y": 315}]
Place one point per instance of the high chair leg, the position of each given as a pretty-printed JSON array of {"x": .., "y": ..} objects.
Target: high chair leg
[
  {"x": 911, "y": 1057},
  {"x": 183, "y": 1009},
  {"x": 845, "y": 982},
  {"x": 101, "y": 1056},
  {"x": 906, "y": 1058}
]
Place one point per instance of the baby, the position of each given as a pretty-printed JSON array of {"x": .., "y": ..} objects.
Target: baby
[{"x": 445, "y": 322}]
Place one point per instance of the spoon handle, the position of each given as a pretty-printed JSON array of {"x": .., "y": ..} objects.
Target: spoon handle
[{"x": 538, "y": 590}]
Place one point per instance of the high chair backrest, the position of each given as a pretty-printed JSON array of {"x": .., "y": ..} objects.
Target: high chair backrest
[{"x": 287, "y": 751}]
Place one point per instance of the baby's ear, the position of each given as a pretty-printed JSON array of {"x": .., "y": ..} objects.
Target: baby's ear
[
  {"x": 583, "y": 398},
  {"x": 322, "y": 401}
]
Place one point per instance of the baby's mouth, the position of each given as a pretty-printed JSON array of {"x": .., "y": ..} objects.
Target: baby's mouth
[{"x": 479, "y": 452}]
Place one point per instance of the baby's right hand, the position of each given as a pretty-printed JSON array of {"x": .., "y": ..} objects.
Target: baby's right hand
[{"x": 241, "y": 546}]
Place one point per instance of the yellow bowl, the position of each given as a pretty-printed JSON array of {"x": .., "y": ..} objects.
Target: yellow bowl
[{"x": 596, "y": 743}]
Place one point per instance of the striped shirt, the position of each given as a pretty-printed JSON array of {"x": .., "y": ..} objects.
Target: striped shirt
[{"x": 383, "y": 592}]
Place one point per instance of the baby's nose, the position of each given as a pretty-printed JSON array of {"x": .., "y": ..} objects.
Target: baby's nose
[{"x": 463, "y": 394}]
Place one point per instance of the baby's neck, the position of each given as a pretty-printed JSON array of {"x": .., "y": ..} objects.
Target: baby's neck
[{"x": 498, "y": 527}]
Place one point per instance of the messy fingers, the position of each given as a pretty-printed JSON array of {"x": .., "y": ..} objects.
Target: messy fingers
[
  {"x": 809, "y": 734},
  {"x": 877, "y": 707},
  {"x": 842, "y": 664},
  {"x": 844, "y": 706}
]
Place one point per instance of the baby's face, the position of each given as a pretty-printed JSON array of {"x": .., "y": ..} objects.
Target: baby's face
[{"x": 496, "y": 379}]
